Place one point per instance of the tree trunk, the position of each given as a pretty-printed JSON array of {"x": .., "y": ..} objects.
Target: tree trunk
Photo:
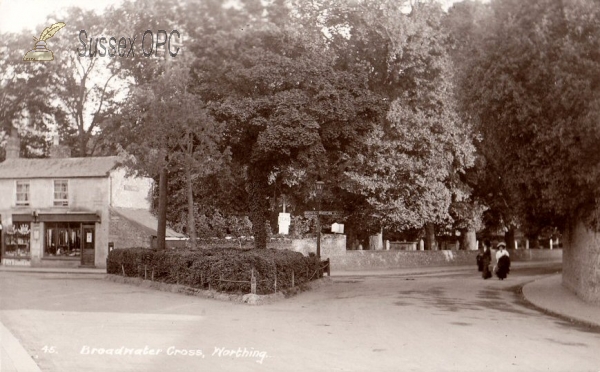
[
  {"x": 161, "y": 230},
  {"x": 430, "y": 242},
  {"x": 509, "y": 237},
  {"x": 534, "y": 240},
  {"x": 468, "y": 240},
  {"x": 82, "y": 145},
  {"x": 259, "y": 206},
  {"x": 191, "y": 218}
]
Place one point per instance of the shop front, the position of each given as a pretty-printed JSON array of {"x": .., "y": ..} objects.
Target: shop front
[
  {"x": 50, "y": 239},
  {"x": 16, "y": 249}
]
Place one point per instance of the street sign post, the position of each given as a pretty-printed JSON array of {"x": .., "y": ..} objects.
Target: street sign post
[{"x": 324, "y": 213}]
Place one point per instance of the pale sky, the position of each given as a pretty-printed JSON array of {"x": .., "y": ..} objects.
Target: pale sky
[{"x": 16, "y": 15}]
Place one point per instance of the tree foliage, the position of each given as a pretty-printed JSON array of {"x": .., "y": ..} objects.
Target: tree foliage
[
  {"x": 409, "y": 171},
  {"x": 26, "y": 91},
  {"x": 289, "y": 112},
  {"x": 533, "y": 91},
  {"x": 164, "y": 128}
]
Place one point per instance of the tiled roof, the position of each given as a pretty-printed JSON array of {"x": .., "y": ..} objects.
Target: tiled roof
[
  {"x": 146, "y": 219},
  {"x": 57, "y": 167}
]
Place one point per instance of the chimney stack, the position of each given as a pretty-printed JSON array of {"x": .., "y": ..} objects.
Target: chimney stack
[
  {"x": 13, "y": 147},
  {"x": 57, "y": 150}
]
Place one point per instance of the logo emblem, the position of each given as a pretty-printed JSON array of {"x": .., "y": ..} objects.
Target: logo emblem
[{"x": 41, "y": 53}]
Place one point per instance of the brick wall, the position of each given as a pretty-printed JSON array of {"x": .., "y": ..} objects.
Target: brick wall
[{"x": 581, "y": 263}]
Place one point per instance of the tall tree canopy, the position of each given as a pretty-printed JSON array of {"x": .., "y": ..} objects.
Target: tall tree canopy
[
  {"x": 410, "y": 172},
  {"x": 26, "y": 91},
  {"x": 533, "y": 90},
  {"x": 165, "y": 128},
  {"x": 359, "y": 93},
  {"x": 288, "y": 110}
]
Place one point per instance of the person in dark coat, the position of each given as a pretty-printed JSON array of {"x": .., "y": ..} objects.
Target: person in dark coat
[{"x": 486, "y": 260}]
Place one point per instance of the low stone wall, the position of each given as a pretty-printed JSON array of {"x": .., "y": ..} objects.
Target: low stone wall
[
  {"x": 367, "y": 260},
  {"x": 581, "y": 263},
  {"x": 534, "y": 254},
  {"x": 332, "y": 245}
]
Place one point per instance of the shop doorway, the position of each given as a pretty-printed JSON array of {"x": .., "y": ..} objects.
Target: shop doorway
[{"x": 89, "y": 243}]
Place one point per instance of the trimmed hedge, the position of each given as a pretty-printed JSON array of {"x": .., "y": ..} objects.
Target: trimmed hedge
[{"x": 222, "y": 269}]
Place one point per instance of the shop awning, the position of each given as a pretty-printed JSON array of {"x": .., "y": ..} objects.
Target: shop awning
[{"x": 58, "y": 217}]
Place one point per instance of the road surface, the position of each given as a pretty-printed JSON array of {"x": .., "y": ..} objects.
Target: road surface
[{"x": 440, "y": 321}]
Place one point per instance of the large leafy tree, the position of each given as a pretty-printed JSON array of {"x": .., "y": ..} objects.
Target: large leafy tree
[
  {"x": 533, "y": 91},
  {"x": 166, "y": 128},
  {"x": 289, "y": 112},
  {"x": 26, "y": 92},
  {"x": 464, "y": 24},
  {"x": 91, "y": 75},
  {"x": 196, "y": 22},
  {"x": 408, "y": 172},
  {"x": 411, "y": 170},
  {"x": 85, "y": 85}
]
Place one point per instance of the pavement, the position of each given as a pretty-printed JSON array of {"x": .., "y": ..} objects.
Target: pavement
[{"x": 547, "y": 294}]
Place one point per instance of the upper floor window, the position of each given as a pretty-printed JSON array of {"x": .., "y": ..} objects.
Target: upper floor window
[
  {"x": 22, "y": 193},
  {"x": 61, "y": 193}
]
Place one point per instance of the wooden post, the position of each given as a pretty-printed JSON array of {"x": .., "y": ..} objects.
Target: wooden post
[
  {"x": 253, "y": 283},
  {"x": 292, "y": 278},
  {"x": 123, "y": 268},
  {"x": 145, "y": 272},
  {"x": 275, "y": 281},
  {"x": 328, "y": 267},
  {"x": 152, "y": 274}
]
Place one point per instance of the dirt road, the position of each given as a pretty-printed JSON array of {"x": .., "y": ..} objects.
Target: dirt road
[{"x": 402, "y": 321}]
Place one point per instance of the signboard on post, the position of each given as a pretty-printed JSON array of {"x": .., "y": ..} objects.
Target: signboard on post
[
  {"x": 337, "y": 228},
  {"x": 324, "y": 213},
  {"x": 284, "y": 221}
]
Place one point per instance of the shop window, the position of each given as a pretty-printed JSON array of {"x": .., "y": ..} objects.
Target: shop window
[
  {"x": 61, "y": 193},
  {"x": 22, "y": 193},
  {"x": 17, "y": 240},
  {"x": 63, "y": 239}
]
